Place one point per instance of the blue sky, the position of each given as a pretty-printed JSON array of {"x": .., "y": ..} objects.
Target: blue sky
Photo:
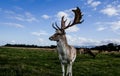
[{"x": 29, "y": 21}]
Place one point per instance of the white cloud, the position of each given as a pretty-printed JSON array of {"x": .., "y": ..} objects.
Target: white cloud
[
  {"x": 73, "y": 29},
  {"x": 115, "y": 25},
  {"x": 82, "y": 41},
  {"x": 39, "y": 33},
  {"x": 45, "y": 16},
  {"x": 109, "y": 26},
  {"x": 110, "y": 11},
  {"x": 41, "y": 40},
  {"x": 93, "y": 3},
  {"x": 106, "y": 41},
  {"x": 29, "y": 17},
  {"x": 18, "y": 18},
  {"x": 20, "y": 15},
  {"x": 8, "y": 12},
  {"x": 62, "y": 13},
  {"x": 101, "y": 28},
  {"x": 13, "y": 42},
  {"x": 44, "y": 42},
  {"x": 67, "y": 15},
  {"x": 89, "y": 1},
  {"x": 14, "y": 25},
  {"x": 18, "y": 8}
]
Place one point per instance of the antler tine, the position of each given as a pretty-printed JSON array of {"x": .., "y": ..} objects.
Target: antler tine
[
  {"x": 57, "y": 26},
  {"x": 63, "y": 22},
  {"x": 77, "y": 18},
  {"x": 54, "y": 26}
]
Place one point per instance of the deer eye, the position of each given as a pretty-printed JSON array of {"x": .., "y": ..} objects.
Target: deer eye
[{"x": 58, "y": 34}]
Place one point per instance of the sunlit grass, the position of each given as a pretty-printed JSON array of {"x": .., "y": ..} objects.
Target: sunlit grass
[{"x": 35, "y": 62}]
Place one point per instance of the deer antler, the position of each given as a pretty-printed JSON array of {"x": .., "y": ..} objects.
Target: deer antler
[
  {"x": 56, "y": 27},
  {"x": 63, "y": 23},
  {"x": 77, "y": 19}
]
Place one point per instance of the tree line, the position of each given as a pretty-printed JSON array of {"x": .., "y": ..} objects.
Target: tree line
[
  {"x": 28, "y": 46},
  {"x": 109, "y": 47}
]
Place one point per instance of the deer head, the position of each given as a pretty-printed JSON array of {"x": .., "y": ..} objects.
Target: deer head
[{"x": 60, "y": 32}]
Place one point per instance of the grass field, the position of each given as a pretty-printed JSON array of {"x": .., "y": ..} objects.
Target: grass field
[{"x": 37, "y": 62}]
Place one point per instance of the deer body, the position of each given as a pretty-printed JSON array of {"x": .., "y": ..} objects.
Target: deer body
[{"x": 67, "y": 53}]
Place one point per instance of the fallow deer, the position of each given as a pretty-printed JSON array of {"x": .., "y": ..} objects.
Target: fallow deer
[{"x": 67, "y": 53}]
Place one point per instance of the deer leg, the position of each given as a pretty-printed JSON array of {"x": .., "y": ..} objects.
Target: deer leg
[
  {"x": 63, "y": 69},
  {"x": 69, "y": 69}
]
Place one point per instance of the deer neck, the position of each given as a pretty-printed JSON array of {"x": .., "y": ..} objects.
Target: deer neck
[
  {"x": 63, "y": 41},
  {"x": 62, "y": 45}
]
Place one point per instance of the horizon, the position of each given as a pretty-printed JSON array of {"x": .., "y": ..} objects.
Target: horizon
[
  {"x": 53, "y": 46},
  {"x": 29, "y": 21}
]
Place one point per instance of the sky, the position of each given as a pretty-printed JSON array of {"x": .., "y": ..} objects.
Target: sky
[{"x": 29, "y": 21}]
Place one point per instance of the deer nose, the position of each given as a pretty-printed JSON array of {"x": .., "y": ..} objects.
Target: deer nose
[{"x": 50, "y": 38}]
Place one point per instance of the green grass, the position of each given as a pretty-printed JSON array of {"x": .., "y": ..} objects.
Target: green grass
[{"x": 34, "y": 62}]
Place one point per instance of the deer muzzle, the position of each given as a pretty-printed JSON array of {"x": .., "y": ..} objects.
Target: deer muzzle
[{"x": 50, "y": 38}]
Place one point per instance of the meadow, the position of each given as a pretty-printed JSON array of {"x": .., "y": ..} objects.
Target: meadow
[{"x": 44, "y": 62}]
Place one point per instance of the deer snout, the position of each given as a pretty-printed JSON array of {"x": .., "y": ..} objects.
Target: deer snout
[{"x": 50, "y": 38}]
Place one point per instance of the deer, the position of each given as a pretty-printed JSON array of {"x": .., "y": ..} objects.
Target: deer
[{"x": 66, "y": 52}]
